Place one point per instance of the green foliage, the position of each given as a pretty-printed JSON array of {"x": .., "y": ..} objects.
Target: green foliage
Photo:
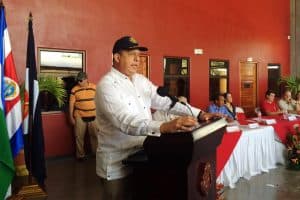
[
  {"x": 55, "y": 86},
  {"x": 50, "y": 84},
  {"x": 291, "y": 82}
]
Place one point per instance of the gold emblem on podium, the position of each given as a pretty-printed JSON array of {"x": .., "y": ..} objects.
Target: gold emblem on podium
[{"x": 204, "y": 178}]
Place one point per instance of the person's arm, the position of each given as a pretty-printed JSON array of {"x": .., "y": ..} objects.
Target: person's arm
[
  {"x": 212, "y": 111},
  {"x": 297, "y": 107},
  {"x": 292, "y": 102},
  {"x": 125, "y": 112},
  {"x": 204, "y": 116},
  {"x": 120, "y": 109},
  {"x": 268, "y": 111},
  {"x": 272, "y": 113},
  {"x": 227, "y": 114},
  {"x": 71, "y": 108},
  {"x": 182, "y": 124},
  {"x": 212, "y": 108},
  {"x": 281, "y": 104}
]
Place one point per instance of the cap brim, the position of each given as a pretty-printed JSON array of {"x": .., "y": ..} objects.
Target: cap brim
[{"x": 139, "y": 48}]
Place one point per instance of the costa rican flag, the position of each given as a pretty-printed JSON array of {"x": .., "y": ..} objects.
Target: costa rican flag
[{"x": 13, "y": 112}]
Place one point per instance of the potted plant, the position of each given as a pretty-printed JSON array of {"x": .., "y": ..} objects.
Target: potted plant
[
  {"x": 52, "y": 85},
  {"x": 290, "y": 82},
  {"x": 293, "y": 148}
]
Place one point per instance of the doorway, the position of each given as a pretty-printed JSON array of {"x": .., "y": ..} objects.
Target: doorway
[
  {"x": 273, "y": 78},
  {"x": 248, "y": 87}
]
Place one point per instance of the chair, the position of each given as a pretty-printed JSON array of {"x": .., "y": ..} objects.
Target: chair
[{"x": 240, "y": 114}]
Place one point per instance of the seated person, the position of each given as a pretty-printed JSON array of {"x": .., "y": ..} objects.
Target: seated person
[
  {"x": 219, "y": 108},
  {"x": 286, "y": 103},
  {"x": 160, "y": 115},
  {"x": 228, "y": 104},
  {"x": 268, "y": 106},
  {"x": 297, "y": 100}
]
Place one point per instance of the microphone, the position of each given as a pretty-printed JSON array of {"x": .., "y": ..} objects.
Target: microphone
[{"x": 164, "y": 92}]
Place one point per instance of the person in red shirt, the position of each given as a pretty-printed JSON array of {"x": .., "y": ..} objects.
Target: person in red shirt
[{"x": 269, "y": 106}]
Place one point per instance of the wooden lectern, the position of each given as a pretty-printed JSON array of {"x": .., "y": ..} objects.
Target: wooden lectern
[{"x": 179, "y": 166}]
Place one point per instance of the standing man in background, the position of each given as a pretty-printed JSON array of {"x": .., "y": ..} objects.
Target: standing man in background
[
  {"x": 124, "y": 100},
  {"x": 83, "y": 113}
]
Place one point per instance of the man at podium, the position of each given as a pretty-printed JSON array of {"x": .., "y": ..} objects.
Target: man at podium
[{"x": 123, "y": 110}]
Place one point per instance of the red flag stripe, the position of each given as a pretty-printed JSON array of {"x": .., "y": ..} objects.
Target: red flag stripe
[{"x": 11, "y": 73}]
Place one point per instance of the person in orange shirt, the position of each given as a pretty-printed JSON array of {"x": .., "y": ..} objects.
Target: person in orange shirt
[{"x": 83, "y": 113}]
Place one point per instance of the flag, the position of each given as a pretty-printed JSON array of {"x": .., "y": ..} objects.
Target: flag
[
  {"x": 34, "y": 137},
  {"x": 13, "y": 109},
  {"x": 6, "y": 162},
  {"x": 10, "y": 123}
]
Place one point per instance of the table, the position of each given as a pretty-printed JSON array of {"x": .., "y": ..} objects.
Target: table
[
  {"x": 254, "y": 152},
  {"x": 230, "y": 140},
  {"x": 225, "y": 149},
  {"x": 283, "y": 127}
]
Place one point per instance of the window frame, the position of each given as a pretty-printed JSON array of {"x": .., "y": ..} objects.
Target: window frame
[{"x": 227, "y": 76}]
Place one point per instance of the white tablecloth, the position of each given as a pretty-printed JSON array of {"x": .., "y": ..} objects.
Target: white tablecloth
[{"x": 255, "y": 152}]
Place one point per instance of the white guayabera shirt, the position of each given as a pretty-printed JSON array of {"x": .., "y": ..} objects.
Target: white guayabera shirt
[{"x": 124, "y": 117}]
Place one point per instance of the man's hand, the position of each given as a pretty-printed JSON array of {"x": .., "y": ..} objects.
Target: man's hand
[
  {"x": 180, "y": 124},
  {"x": 204, "y": 116},
  {"x": 72, "y": 120}
]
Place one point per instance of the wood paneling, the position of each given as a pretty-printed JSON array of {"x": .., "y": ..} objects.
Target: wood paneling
[{"x": 248, "y": 87}]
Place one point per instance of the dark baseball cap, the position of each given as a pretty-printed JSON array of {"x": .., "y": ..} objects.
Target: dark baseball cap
[
  {"x": 81, "y": 76},
  {"x": 127, "y": 43}
]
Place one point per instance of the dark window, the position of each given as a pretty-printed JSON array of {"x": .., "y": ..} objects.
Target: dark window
[
  {"x": 177, "y": 76},
  {"x": 218, "y": 77},
  {"x": 273, "y": 77}
]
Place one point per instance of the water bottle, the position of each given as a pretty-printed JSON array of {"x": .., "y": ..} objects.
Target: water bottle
[{"x": 259, "y": 115}]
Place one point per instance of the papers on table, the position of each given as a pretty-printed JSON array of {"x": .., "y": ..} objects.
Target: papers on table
[
  {"x": 292, "y": 117},
  {"x": 233, "y": 128},
  {"x": 270, "y": 121},
  {"x": 296, "y": 115},
  {"x": 253, "y": 125},
  {"x": 265, "y": 121}
]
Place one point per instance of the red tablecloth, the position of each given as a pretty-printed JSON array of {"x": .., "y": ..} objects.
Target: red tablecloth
[
  {"x": 283, "y": 127},
  {"x": 225, "y": 149}
]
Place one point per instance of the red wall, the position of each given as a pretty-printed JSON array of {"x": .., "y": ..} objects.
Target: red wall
[
  {"x": 231, "y": 29},
  {"x": 59, "y": 138}
]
